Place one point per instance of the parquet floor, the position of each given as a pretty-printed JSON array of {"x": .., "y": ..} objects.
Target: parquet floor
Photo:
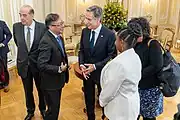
[{"x": 72, "y": 102}]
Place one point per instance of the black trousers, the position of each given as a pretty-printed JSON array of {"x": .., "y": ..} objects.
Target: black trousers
[
  {"x": 89, "y": 94},
  {"x": 53, "y": 98},
  {"x": 6, "y": 73},
  {"x": 28, "y": 89}
]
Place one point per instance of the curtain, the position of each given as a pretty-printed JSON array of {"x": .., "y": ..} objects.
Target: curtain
[
  {"x": 43, "y": 7},
  {"x": 9, "y": 10}
]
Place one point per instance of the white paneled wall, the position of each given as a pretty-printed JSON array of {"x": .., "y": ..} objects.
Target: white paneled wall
[{"x": 162, "y": 11}]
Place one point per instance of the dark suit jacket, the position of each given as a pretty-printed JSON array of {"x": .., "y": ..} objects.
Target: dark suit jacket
[
  {"x": 5, "y": 36},
  {"x": 152, "y": 62},
  {"x": 49, "y": 60},
  {"x": 103, "y": 51},
  {"x": 25, "y": 58}
]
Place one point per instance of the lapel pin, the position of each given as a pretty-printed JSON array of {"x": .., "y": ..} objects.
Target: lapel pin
[{"x": 101, "y": 35}]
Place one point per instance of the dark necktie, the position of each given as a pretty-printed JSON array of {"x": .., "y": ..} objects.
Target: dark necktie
[
  {"x": 60, "y": 44},
  {"x": 28, "y": 38},
  {"x": 92, "y": 40}
]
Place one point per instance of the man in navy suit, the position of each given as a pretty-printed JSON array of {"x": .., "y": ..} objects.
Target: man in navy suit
[
  {"x": 97, "y": 47},
  {"x": 5, "y": 36}
]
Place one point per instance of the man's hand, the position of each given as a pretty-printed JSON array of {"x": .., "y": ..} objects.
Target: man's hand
[
  {"x": 83, "y": 69},
  {"x": 2, "y": 45},
  {"x": 90, "y": 68},
  {"x": 63, "y": 66}
]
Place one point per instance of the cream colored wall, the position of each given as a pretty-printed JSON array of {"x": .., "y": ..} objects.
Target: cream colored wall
[
  {"x": 175, "y": 7},
  {"x": 43, "y": 7},
  {"x": 75, "y": 8},
  {"x": 162, "y": 11}
]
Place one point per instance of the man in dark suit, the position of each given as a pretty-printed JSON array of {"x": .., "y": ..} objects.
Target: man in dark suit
[
  {"x": 96, "y": 49},
  {"x": 5, "y": 36},
  {"x": 53, "y": 64},
  {"x": 27, "y": 35}
]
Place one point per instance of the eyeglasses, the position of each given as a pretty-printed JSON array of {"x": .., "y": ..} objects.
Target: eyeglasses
[{"x": 58, "y": 24}]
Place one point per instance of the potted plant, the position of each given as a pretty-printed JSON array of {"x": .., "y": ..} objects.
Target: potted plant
[{"x": 115, "y": 16}]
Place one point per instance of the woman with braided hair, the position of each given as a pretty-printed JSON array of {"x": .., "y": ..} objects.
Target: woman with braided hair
[
  {"x": 120, "y": 78},
  {"x": 149, "y": 51}
]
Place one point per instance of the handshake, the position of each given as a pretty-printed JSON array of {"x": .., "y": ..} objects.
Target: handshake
[{"x": 87, "y": 69}]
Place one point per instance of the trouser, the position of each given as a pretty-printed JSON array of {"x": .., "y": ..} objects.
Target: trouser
[
  {"x": 28, "y": 89},
  {"x": 53, "y": 98}
]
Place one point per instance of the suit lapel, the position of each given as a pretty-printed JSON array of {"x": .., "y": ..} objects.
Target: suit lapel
[
  {"x": 36, "y": 34},
  {"x": 87, "y": 38},
  {"x": 23, "y": 36},
  {"x": 99, "y": 39},
  {"x": 56, "y": 43}
]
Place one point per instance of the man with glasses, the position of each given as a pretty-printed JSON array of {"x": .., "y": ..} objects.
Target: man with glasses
[
  {"x": 27, "y": 35},
  {"x": 96, "y": 49},
  {"x": 53, "y": 64}
]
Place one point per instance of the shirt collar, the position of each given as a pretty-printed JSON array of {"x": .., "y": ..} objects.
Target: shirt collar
[
  {"x": 53, "y": 34},
  {"x": 97, "y": 30},
  {"x": 32, "y": 26}
]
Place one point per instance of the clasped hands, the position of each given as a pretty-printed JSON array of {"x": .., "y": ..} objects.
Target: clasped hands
[{"x": 87, "y": 69}]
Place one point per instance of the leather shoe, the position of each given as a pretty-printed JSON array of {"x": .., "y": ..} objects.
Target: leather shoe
[
  {"x": 43, "y": 113},
  {"x": 6, "y": 89},
  {"x": 103, "y": 117},
  {"x": 29, "y": 116}
]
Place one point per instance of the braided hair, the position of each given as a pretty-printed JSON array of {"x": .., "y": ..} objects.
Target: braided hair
[
  {"x": 143, "y": 22},
  {"x": 130, "y": 34}
]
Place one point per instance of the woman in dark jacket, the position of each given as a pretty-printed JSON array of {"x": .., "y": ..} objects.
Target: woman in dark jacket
[
  {"x": 4, "y": 76},
  {"x": 149, "y": 51}
]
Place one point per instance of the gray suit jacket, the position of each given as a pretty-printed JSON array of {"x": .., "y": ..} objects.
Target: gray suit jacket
[{"x": 25, "y": 58}]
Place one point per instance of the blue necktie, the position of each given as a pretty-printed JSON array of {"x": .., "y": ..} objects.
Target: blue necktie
[
  {"x": 92, "y": 40},
  {"x": 60, "y": 44}
]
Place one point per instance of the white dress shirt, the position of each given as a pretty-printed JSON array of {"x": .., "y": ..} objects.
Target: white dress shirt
[
  {"x": 32, "y": 30},
  {"x": 119, "y": 82},
  {"x": 97, "y": 31}
]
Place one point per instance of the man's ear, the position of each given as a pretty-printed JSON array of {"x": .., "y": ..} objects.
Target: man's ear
[
  {"x": 32, "y": 16},
  {"x": 140, "y": 39}
]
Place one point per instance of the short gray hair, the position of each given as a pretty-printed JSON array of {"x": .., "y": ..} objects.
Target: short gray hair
[
  {"x": 31, "y": 10},
  {"x": 96, "y": 10}
]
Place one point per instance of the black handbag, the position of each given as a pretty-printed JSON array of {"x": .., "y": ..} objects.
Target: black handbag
[{"x": 169, "y": 75}]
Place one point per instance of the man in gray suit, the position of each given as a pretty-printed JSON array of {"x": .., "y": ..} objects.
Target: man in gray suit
[{"x": 27, "y": 35}]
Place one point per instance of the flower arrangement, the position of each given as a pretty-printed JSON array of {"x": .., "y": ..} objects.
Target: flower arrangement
[{"x": 115, "y": 16}]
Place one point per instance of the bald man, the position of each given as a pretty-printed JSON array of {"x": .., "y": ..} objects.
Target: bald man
[{"x": 27, "y": 35}]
